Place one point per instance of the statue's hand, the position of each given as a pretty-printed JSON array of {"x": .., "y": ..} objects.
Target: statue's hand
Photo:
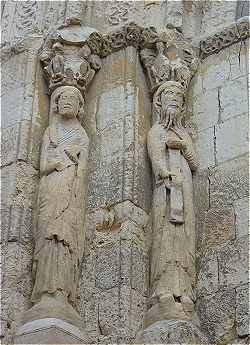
[
  {"x": 164, "y": 173},
  {"x": 55, "y": 160},
  {"x": 176, "y": 144},
  {"x": 59, "y": 166}
]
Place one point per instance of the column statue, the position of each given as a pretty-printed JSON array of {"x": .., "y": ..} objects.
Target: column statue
[
  {"x": 59, "y": 228},
  {"x": 172, "y": 264},
  {"x": 173, "y": 160}
]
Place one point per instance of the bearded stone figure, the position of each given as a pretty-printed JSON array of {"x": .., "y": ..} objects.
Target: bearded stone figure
[
  {"x": 59, "y": 236},
  {"x": 172, "y": 256}
]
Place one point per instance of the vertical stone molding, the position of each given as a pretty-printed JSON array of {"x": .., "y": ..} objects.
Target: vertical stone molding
[{"x": 114, "y": 276}]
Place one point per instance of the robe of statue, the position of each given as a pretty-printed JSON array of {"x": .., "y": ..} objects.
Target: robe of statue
[
  {"x": 60, "y": 211},
  {"x": 173, "y": 248}
]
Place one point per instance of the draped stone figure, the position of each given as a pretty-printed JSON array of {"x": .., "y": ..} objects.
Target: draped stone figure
[
  {"x": 59, "y": 233},
  {"x": 173, "y": 160},
  {"x": 170, "y": 65}
]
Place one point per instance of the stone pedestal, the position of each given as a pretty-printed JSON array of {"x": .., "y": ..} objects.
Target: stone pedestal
[
  {"x": 50, "y": 331},
  {"x": 171, "y": 332}
]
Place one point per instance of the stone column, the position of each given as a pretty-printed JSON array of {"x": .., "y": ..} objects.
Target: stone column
[{"x": 115, "y": 268}]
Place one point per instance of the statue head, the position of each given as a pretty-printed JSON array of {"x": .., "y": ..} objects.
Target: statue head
[
  {"x": 169, "y": 102},
  {"x": 68, "y": 101}
]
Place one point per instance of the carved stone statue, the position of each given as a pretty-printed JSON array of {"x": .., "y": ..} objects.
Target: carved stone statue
[
  {"x": 170, "y": 66},
  {"x": 173, "y": 160},
  {"x": 59, "y": 235}
]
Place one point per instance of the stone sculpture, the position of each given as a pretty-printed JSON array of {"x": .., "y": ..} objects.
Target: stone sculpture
[
  {"x": 59, "y": 227},
  {"x": 59, "y": 235},
  {"x": 173, "y": 160}
]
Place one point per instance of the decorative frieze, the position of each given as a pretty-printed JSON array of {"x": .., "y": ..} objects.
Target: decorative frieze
[{"x": 230, "y": 35}]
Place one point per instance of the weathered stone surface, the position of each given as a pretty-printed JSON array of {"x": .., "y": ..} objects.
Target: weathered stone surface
[
  {"x": 238, "y": 59},
  {"x": 234, "y": 98},
  {"x": 242, "y": 310},
  {"x": 217, "y": 316},
  {"x": 16, "y": 283},
  {"x": 205, "y": 148},
  {"x": 233, "y": 261},
  {"x": 115, "y": 247},
  {"x": 219, "y": 226},
  {"x": 229, "y": 145},
  {"x": 241, "y": 207},
  {"x": 201, "y": 203},
  {"x": 118, "y": 156},
  {"x": 207, "y": 274},
  {"x": 132, "y": 309},
  {"x": 21, "y": 221},
  {"x": 108, "y": 311},
  {"x": 19, "y": 183},
  {"x": 107, "y": 265},
  {"x": 17, "y": 267},
  {"x": 229, "y": 182},
  {"x": 174, "y": 14},
  {"x": 215, "y": 70},
  {"x": 171, "y": 332},
  {"x": 5, "y": 221},
  {"x": 206, "y": 109},
  {"x": 212, "y": 22},
  {"x": 218, "y": 70}
]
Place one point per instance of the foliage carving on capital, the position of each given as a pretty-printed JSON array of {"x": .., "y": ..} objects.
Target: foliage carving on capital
[
  {"x": 171, "y": 59},
  {"x": 59, "y": 72}
]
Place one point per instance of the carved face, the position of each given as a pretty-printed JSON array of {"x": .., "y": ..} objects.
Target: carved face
[
  {"x": 68, "y": 104},
  {"x": 172, "y": 102}
]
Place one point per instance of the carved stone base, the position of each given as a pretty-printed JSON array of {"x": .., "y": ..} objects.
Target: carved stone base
[
  {"x": 50, "y": 307},
  {"x": 50, "y": 331},
  {"x": 171, "y": 332}
]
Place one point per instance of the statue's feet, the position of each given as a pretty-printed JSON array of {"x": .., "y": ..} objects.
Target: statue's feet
[{"x": 169, "y": 307}]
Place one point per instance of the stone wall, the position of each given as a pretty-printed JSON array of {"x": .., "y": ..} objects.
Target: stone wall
[
  {"x": 220, "y": 112},
  {"x": 114, "y": 280}
]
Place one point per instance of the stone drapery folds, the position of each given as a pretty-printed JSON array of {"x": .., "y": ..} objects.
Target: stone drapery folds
[{"x": 170, "y": 68}]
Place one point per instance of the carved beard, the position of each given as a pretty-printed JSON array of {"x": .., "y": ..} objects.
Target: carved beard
[{"x": 169, "y": 119}]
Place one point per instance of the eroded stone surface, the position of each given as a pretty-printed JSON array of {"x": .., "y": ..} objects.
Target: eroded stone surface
[
  {"x": 242, "y": 310},
  {"x": 207, "y": 274},
  {"x": 219, "y": 226},
  {"x": 229, "y": 182},
  {"x": 171, "y": 332},
  {"x": 242, "y": 217},
  {"x": 233, "y": 263},
  {"x": 217, "y": 316},
  {"x": 229, "y": 145}
]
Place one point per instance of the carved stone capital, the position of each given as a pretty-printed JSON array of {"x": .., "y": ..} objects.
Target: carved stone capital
[
  {"x": 67, "y": 59},
  {"x": 171, "y": 59}
]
